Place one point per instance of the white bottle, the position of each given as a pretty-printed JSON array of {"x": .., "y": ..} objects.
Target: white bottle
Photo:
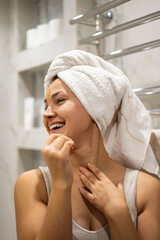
[{"x": 28, "y": 116}]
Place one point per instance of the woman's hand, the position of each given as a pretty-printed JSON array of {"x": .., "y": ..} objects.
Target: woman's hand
[
  {"x": 56, "y": 153},
  {"x": 101, "y": 192}
]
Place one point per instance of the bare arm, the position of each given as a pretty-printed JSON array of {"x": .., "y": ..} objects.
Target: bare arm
[
  {"x": 35, "y": 219},
  {"x": 148, "y": 192},
  {"x": 121, "y": 225},
  {"x": 58, "y": 220},
  {"x": 110, "y": 200},
  {"x": 30, "y": 206}
]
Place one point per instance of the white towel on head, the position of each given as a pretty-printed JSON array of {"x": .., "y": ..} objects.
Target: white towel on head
[{"x": 106, "y": 94}]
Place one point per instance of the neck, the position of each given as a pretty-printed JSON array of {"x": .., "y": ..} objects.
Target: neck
[{"x": 91, "y": 151}]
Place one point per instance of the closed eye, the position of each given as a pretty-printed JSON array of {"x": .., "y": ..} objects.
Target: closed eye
[{"x": 59, "y": 100}]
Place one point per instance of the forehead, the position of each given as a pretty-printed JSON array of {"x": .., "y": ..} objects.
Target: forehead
[{"x": 57, "y": 85}]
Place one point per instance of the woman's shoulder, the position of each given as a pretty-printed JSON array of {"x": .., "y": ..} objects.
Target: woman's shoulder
[
  {"x": 32, "y": 182},
  {"x": 148, "y": 190},
  {"x": 147, "y": 182},
  {"x": 30, "y": 178}
]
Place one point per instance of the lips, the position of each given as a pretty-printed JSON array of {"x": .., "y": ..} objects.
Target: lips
[{"x": 55, "y": 126}]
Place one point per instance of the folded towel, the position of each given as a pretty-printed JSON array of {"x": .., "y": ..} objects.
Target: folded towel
[
  {"x": 155, "y": 143},
  {"x": 106, "y": 94}
]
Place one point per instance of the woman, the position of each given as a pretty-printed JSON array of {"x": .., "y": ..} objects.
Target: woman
[{"x": 98, "y": 131}]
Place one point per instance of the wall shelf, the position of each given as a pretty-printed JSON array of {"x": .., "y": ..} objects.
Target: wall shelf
[
  {"x": 32, "y": 139},
  {"x": 29, "y": 67},
  {"x": 40, "y": 55}
]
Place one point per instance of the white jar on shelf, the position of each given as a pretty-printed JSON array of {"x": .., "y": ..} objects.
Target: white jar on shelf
[
  {"x": 55, "y": 28},
  {"x": 31, "y": 38},
  {"x": 42, "y": 33},
  {"x": 28, "y": 115}
]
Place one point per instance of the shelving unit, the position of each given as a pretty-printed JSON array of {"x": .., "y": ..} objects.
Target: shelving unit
[
  {"x": 40, "y": 55},
  {"x": 31, "y": 139},
  {"x": 30, "y": 66}
]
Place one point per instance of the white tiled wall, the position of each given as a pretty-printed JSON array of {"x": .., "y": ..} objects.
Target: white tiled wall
[{"x": 141, "y": 68}]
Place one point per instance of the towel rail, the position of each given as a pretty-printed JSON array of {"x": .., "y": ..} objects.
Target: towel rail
[
  {"x": 154, "y": 113},
  {"x": 147, "y": 91},
  {"x": 136, "y": 22},
  {"x": 134, "y": 49},
  {"x": 95, "y": 39},
  {"x": 99, "y": 9}
]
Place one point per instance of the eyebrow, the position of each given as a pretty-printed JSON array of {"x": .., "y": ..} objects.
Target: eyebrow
[{"x": 53, "y": 95}]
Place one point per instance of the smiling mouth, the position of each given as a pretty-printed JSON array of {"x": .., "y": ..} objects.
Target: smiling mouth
[{"x": 56, "y": 126}]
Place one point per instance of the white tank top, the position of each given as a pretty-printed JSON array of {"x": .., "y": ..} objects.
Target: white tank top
[{"x": 79, "y": 233}]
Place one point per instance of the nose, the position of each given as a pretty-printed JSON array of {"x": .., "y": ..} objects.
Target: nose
[{"x": 49, "y": 113}]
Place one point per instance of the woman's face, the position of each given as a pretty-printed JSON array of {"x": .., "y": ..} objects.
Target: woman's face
[{"x": 64, "y": 113}]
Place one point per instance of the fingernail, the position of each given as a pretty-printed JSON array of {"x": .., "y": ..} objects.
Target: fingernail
[{"x": 72, "y": 146}]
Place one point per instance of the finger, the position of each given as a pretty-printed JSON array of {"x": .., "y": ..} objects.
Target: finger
[
  {"x": 88, "y": 174},
  {"x": 51, "y": 138},
  {"x": 100, "y": 175},
  {"x": 87, "y": 182},
  {"x": 58, "y": 143},
  {"x": 86, "y": 194},
  {"x": 67, "y": 147}
]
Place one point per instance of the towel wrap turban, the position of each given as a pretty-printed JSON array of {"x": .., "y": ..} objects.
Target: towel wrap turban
[{"x": 106, "y": 94}]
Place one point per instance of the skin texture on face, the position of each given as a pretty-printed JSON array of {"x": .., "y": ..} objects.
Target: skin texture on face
[{"x": 62, "y": 106}]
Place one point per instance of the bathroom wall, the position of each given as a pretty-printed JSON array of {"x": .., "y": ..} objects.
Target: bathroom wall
[
  {"x": 141, "y": 68},
  {"x": 7, "y": 120}
]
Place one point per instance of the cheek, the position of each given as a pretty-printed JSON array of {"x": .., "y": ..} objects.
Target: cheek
[
  {"x": 83, "y": 116},
  {"x": 80, "y": 119}
]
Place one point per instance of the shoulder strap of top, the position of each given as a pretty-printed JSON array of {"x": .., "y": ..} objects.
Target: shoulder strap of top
[
  {"x": 47, "y": 178},
  {"x": 130, "y": 187}
]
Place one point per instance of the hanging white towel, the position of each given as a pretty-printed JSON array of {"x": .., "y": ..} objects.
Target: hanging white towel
[
  {"x": 155, "y": 143},
  {"x": 106, "y": 94}
]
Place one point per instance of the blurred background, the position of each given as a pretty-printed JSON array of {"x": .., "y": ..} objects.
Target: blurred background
[{"x": 32, "y": 33}]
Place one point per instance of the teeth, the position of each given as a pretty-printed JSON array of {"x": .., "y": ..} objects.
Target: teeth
[{"x": 56, "y": 125}]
